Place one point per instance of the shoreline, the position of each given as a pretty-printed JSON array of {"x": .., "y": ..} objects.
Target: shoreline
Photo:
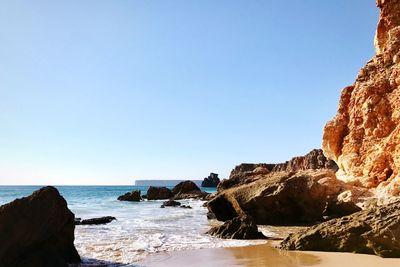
[{"x": 262, "y": 255}]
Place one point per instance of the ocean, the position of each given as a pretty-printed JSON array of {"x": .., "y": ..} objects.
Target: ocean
[{"x": 140, "y": 229}]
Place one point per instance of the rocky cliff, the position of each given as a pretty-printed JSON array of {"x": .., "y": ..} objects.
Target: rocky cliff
[
  {"x": 364, "y": 137},
  {"x": 248, "y": 172}
]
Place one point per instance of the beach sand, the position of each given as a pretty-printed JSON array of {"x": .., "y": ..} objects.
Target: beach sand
[{"x": 264, "y": 255}]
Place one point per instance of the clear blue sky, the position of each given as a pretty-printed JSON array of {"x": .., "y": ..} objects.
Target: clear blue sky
[{"x": 105, "y": 92}]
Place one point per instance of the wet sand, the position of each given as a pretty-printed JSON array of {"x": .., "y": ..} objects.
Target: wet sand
[{"x": 264, "y": 255}]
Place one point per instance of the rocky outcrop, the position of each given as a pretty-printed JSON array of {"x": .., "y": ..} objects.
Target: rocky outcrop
[
  {"x": 372, "y": 231},
  {"x": 211, "y": 181},
  {"x": 187, "y": 189},
  {"x": 281, "y": 198},
  {"x": 247, "y": 172},
  {"x": 364, "y": 137},
  {"x": 242, "y": 227},
  {"x": 37, "y": 231},
  {"x": 95, "y": 221},
  {"x": 133, "y": 196},
  {"x": 158, "y": 193}
]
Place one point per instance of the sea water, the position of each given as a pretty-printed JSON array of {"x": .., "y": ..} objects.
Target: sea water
[{"x": 140, "y": 229}]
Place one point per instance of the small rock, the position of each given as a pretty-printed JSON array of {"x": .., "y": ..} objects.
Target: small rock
[
  {"x": 242, "y": 227},
  {"x": 170, "y": 203},
  {"x": 95, "y": 221}
]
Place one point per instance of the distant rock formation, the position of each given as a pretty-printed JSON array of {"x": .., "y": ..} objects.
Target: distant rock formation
[
  {"x": 364, "y": 137},
  {"x": 37, "y": 231},
  {"x": 242, "y": 227},
  {"x": 245, "y": 173},
  {"x": 372, "y": 231},
  {"x": 211, "y": 181},
  {"x": 134, "y": 196},
  {"x": 158, "y": 193}
]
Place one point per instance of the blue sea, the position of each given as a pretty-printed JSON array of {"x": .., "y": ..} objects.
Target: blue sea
[{"x": 141, "y": 228}]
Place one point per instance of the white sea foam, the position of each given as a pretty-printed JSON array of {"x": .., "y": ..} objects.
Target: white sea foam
[{"x": 144, "y": 228}]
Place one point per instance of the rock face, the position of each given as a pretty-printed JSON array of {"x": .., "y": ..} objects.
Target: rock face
[
  {"x": 246, "y": 173},
  {"x": 133, "y": 196},
  {"x": 281, "y": 198},
  {"x": 364, "y": 137},
  {"x": 37, "y": 231},
  {"x": 373, "y": 231},
  {"x": 158, "y": 193},
  {"x": 242, "y": 227},
  {"x": 211, "y": 181}
]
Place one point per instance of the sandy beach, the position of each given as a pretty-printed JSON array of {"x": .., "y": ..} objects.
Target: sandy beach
[{"x": 264, "y": 255}]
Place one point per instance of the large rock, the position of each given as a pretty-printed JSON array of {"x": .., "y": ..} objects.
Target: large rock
[
  {"x": 133, "y": 196},
  {"x": 211, "y": 181},
  {"x": 187, "y": 189},
  {"x": 282, "y": 198},
  {"x": 248, "y": 172},
  {"x": 242, "y": 227},
  {"x": 158, "y": 193},
  {"x": 364, "y": 136},
  {"x": 37, "y": 231},
  {"x": 373, "y": 231}
]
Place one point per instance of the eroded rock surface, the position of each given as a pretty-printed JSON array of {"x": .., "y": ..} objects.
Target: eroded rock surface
[
  {"x": 37, "y": 231},
  {"x": 372, "y": 231},
  {"x": 364, "y": 137}
]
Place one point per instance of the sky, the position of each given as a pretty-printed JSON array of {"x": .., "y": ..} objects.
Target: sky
[{"x": 105, "y": 92}]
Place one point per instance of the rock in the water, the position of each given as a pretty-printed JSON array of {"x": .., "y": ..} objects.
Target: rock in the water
[
  {"x": 211, "y": 181},
  {"x": 243, "y": 227},
  {"x": 95, "y": 221},
  {"x": 248, "y": 172},
  {"x": 158, "y": 193},
  {"x": 372, "y": 231},
  {"x": 280, "y": 198},
  {"x": 364, "y": 136},
  {"x": 37, "y": 231},
  {"x": 133, "y": 196},
  {"x": 187, "y": 189},
  {"x": 186, "y": 207},
  {"x": 170, "y": 203}
]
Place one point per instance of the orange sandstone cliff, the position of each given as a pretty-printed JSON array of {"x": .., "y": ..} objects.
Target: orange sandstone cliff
[{"x": 364, "y": 136}]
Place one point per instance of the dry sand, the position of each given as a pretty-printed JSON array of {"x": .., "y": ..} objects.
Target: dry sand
[{"x": 264, "y": 255}]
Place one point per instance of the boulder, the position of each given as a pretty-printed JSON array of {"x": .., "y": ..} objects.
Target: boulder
[
  {"x": 211, "y": 181},
  {"x": 158, "y": 193},
  {"x": 37, "y": 231},
  {"x": 187, "y": 189},
  {"x": 280, "y": 198},
  {"x": 95, "y": 221},
  {"x": 242, "y": 227},
  {"x": 372, "y": 231},
  {"x": 133, "y": 196}
]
